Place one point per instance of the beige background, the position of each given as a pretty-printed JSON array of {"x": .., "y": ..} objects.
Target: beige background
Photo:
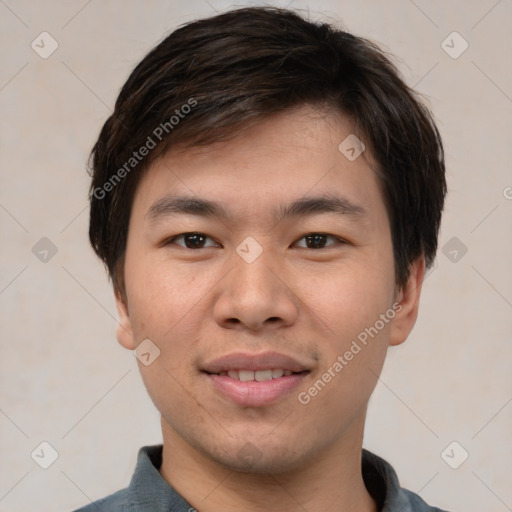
[{"x": 64, "y": 378}]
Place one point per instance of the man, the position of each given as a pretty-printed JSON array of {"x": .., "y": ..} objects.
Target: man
[{"x": 266, "y": 197}]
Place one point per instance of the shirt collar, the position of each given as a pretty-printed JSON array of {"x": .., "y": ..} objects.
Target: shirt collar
[
  {"x": 148, "y": 491},
  {"x": 382, "y": 483}
]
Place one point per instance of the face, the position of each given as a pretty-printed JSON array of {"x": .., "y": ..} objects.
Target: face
[{"x": 262, "y": 269}]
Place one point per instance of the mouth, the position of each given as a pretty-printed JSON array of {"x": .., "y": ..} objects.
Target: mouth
[
  {"x": 255, "y": 380},
  {"x": 256, "y": 375}
]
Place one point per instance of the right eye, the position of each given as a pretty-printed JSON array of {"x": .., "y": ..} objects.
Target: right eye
[{"x": 190, "y": 240}]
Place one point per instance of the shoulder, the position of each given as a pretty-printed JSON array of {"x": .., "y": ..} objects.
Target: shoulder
[
  {"x": 382, "y": 483},
  {"x": 417, "y": 504},
  {"x": 146, "y": 491},
  {"x": 116, "y": 502}
]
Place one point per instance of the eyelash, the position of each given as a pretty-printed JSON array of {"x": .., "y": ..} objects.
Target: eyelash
[{"x": 182, "y": 235}]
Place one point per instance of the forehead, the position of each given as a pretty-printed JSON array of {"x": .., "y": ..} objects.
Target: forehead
[{"x": 277, "y": 161}]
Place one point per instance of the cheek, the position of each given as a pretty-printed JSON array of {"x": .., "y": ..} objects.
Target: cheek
[
  {"x": 347, "y": 299},
  {"x": 161, "y": 297},
  {"x": 353, "y": 340},
  {"x": 167, "y": 306},
  {"x": 350, "y": 335}
]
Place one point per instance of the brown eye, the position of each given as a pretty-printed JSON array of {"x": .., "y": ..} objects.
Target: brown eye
[
  {"x": 191, "y": 240},
  {"x": 318, "y": 240}
]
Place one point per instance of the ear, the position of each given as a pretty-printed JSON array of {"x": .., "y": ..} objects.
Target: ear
[
  {"x": 124, "y": 331},
  {"x": 407, "y": 300}
]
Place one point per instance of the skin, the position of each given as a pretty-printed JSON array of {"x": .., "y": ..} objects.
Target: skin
[{"x": 197, "y": 304}]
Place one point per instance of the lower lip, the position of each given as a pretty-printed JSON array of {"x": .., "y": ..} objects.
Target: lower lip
[{"x": 253, "y": 393}]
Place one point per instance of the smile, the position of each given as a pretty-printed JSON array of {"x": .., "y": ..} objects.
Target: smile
[
  {"x": 257, "y": 375},
  {"x": 254, "y": 380}
]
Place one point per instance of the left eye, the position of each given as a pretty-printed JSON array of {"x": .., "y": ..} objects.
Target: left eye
[{"x": 317, "y": 240}]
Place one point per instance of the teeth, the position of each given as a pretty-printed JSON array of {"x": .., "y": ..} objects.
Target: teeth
[
  {"x": 246, "y": 375},
  {"x": 258, "y": 376},
  {"x": 263, "y": 375}
]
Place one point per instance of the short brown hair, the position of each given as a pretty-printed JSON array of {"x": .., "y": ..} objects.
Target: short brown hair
[{"x": 236, "y": 68}]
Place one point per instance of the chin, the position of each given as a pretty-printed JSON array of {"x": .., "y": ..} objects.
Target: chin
[
  {"x": 257, "y": 459},
  {"x": 265, "y": 465}
]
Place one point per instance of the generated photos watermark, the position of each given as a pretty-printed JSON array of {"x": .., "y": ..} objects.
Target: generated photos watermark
[
  {"x": 157, "y": 135},
  {"x": 335, "y": 369}
]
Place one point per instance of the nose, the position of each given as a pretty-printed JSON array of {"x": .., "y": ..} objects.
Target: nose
[{"x": 255, "y": 295}]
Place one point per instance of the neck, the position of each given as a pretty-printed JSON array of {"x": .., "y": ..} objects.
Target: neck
[{"x": 331, "y": 482}]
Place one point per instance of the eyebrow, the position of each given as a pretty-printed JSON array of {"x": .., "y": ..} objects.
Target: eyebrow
[{"x": 305, "y": 206}]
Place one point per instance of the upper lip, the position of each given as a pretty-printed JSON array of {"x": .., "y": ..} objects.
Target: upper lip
[{"x": 254, "y": 362}]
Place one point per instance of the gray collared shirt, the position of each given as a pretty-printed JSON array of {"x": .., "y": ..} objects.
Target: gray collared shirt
[{"x": 149, "y": 492}]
